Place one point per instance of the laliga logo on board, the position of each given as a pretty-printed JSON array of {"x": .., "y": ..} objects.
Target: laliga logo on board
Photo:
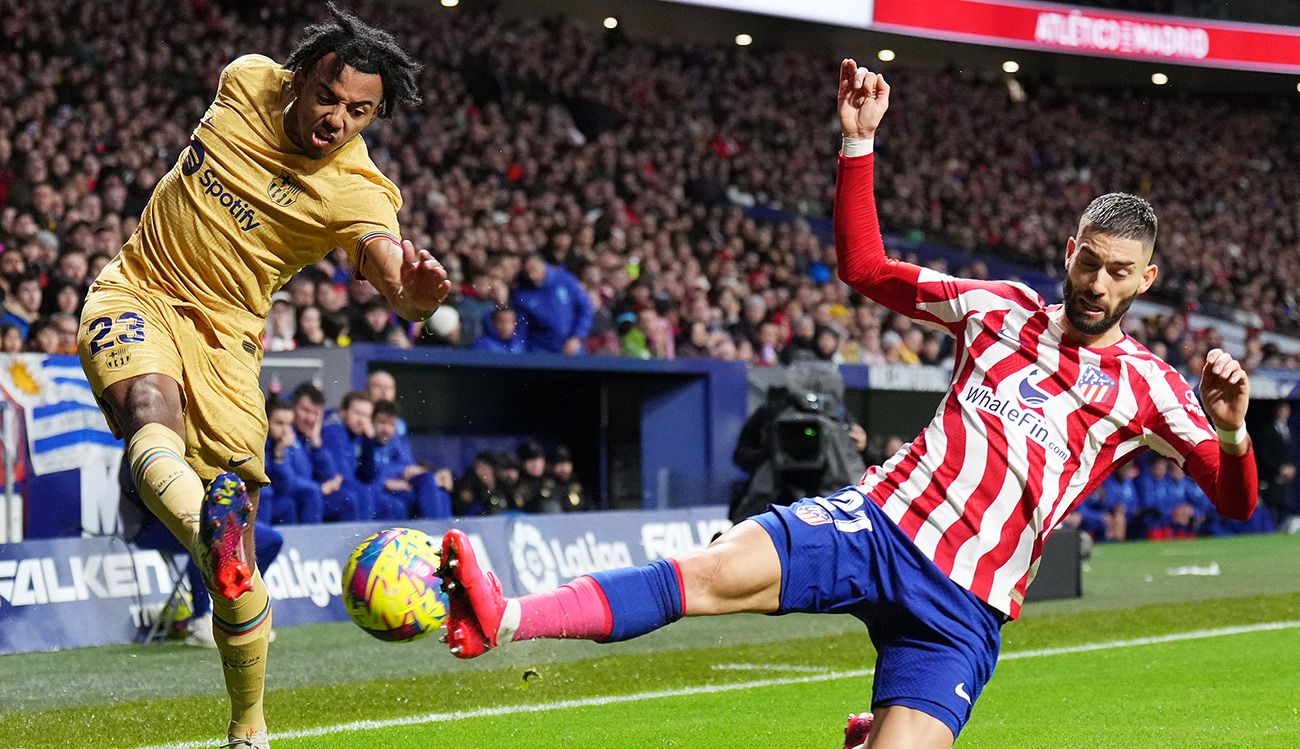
[
  {"x": 534, "y": 564},
  {"x": 540, "y": 563}
]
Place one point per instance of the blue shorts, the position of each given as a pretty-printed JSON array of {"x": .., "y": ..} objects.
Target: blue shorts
[{"x": 936, "y": 643}]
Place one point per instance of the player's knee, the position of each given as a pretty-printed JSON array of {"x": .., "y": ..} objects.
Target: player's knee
[
  {"x": 726, "y": 577},
  {"x": 146, "y": 400}
]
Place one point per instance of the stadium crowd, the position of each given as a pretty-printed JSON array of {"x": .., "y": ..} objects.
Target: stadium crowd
[{"x": 590, "y": 193}]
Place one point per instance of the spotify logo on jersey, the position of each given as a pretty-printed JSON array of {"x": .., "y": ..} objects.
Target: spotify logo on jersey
[{"x": 193, "y": 158}]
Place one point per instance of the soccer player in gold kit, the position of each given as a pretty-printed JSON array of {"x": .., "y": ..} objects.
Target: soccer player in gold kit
[{"x": 273, "y": 179}]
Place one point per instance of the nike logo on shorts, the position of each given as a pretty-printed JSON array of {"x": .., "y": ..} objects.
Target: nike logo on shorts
[
  {"x": 961, "y": 692},
  {"x": 237, "y": 463}
]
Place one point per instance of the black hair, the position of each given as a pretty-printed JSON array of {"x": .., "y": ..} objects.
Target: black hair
[
  {"x": 1122, "y": 215},
  {"x": 353, "y": 397},
  {"x": 385, "y": 408},
  {"x": 364, "y": 48},
  {"x": 310, "y": 392},
  {"x": 277, "y": 404}
]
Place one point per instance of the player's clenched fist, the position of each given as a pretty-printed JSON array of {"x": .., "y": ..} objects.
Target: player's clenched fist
[
  {"x": 1225, "y": 389},
  {"x": 863, "y": 99}
]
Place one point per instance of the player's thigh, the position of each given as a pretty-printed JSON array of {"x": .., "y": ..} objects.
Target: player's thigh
[
  {"x": 225, "y": 412},
  {"x": 128, "y": 349},
  {"x": 899, "y": 727},
  {"x": 740, "y": 571}
]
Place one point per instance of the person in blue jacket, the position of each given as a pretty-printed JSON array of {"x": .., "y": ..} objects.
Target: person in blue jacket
[
  {"x": 502, "y": 333},
  {"x": 308, "y": 421},
  {"x": 297, "y": 498},
  {"x": 344, "y": 439},
  {"x": 1158, "y": 495},
  {"x": 402, "y": 489},
  {"x": 552, "y": 306}
]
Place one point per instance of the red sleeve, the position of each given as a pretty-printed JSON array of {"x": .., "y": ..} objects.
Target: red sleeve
[
  {"x": 1230, "y": 481},
  {"x": 922, "y": 294},
  {"x": 859, "y": 248}
]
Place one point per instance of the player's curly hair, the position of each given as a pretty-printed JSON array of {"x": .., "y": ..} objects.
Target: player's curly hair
[{"x": 367, "y": 50}]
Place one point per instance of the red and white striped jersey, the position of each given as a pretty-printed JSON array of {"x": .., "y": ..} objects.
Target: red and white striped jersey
[{"x": 1031, "y": 423}]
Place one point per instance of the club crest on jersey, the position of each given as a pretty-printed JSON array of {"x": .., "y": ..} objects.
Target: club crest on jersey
[
  {"x": 1029, "y": 394},
  {"x": 812, "y": 515},
  {"x": 1095, "y": 385},
  {"x": 284, "y": 189}
]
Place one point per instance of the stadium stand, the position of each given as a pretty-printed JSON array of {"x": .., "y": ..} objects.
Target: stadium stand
[
  {"x": 684, "y": 187},
  {"x": 643, "y": 169}
]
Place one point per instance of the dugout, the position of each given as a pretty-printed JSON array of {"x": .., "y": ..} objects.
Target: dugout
[{"x": 644, "y": 434}]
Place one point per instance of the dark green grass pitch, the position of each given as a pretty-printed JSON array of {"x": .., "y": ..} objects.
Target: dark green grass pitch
[{"x": 744, "y": 681}]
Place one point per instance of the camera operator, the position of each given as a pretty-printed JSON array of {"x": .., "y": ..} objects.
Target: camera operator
[{"x": 797, "y": 444}]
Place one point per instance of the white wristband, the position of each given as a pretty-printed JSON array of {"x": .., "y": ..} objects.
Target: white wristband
[
  {"x": 857, "y": 146},
  {"x": 1231, "y": 436}
]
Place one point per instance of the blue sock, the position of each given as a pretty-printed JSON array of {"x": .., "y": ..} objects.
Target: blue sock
[{"x": 641, "y": 599}]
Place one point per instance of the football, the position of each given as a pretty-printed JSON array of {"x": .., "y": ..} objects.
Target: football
[{"x": 391, "y": 587}]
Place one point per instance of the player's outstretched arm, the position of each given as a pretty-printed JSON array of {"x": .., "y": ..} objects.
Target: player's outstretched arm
[
  {"x": 410, "y": 279},
  {"x": 859, "y": 248}
]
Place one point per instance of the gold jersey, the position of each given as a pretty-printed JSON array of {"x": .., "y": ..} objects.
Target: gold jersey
[{"x": 244, "y": 209}]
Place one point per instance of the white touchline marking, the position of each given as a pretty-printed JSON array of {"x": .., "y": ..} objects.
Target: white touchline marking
[
  {"x": 492, "y": 712},
  {"x": 770, "y": 667}
]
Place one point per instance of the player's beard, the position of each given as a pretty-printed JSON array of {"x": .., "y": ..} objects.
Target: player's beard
[{"x": 1079, "y": 319}]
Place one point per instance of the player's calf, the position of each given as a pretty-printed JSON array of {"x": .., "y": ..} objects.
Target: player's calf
[{"x": 604, "y": 607}]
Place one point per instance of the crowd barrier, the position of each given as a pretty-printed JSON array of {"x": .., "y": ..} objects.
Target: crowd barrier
[{"x": 79, "y": 592}]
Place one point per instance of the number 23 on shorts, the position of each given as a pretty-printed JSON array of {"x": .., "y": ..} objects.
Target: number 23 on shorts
[{"x": 129, "y": 327}]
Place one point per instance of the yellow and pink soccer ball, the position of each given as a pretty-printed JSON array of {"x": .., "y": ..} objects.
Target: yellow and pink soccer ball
[{"x": 391, "y": 587}]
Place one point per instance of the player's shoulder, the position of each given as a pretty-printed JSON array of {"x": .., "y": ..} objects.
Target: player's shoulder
[
  {"x": 251, "y": 72},
  {"x": 1023, "y": 294},
  {"x": 1149, "y": 366},
  {"x": 356, "y": 178}
]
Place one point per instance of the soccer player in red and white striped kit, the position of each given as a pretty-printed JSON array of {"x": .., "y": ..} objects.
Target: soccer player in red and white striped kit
[{"x": 935, "y": 548}]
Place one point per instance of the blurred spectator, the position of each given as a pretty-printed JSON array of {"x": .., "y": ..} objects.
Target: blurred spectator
[
  {"x": 1275, "y": 454},
  {"x": 554, "y": 308},
  {"x": 508, "y": 481},
  {"x": 281, "y": 325},
  {"x": 43, "y": 337},
  {"x": 475, "y": 492},
  {"x": 344, "y": 440},
  {"x": 382, "y": 386},
  {"x": 479, "y": 301},
  {"x": 297, "y": 495},
  {"x": 402, "y": 489},
  {"x": 502, "y": 333},
  {"x": 308, "y": 422},
  {"x": 537, "y": 490},
  {"x": 11, "y": 339},
  {"x": 695, "y": 341},
  {"x": 22, "y": 307},
  {"x": 1158, "y": 496},
  {"x": 572, "y": 496},
  {"x": 309, "y": 330}
]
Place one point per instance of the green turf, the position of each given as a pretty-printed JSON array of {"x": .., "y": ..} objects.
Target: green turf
[{"x": 330, "y": 674}]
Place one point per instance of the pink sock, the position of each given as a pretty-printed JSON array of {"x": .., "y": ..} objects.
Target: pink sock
[{"x": 576, "y": 610}]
